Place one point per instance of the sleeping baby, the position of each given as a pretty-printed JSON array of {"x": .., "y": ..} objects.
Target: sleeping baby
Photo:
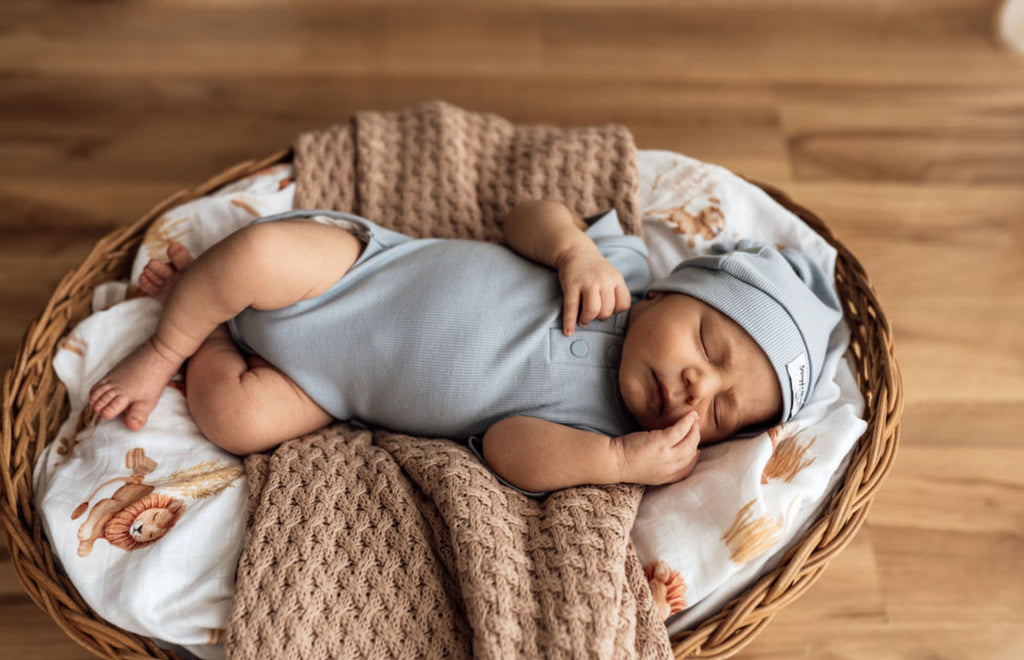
[{"x": 555, "y": 357}]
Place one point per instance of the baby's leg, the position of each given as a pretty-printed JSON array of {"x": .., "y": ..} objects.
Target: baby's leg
[
  {"x": 264, "y": 266},
  {"x": 246, "y": 405},
  {"x": 144, "y": 372}
]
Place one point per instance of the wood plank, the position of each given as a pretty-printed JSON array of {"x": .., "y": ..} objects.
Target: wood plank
[
  {"x": 895, "y": 42},
  {"x": 905, "y": 132}
]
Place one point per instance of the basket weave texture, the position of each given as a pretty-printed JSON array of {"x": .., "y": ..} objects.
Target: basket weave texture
[{"x": 35, "y": 405}]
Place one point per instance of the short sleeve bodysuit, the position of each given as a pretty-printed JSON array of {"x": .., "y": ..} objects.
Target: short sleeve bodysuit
[{"x": 443, "y": 338}]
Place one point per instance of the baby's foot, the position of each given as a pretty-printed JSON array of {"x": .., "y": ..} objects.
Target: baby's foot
[
  {"x": 135, "y": 384},
  {"x": 158, "y": 278}
]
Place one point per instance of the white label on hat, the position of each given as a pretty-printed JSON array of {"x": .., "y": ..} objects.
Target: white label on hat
[{"x": 797, "y": 382}]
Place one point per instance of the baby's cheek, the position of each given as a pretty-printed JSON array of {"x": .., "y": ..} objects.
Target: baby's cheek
[
  {"x": 632, "y": 393},
  {"x": 708, "y": 433}
]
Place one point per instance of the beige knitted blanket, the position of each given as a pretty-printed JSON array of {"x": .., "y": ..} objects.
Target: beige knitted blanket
[{"x": 377, "y": 545}]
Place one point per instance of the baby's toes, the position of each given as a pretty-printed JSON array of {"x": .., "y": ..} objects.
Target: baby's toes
[
  {"x": 149, "y": 286},
  {"x": 99, "y": 391},
  {"x": 179, "y": 255},
  {"x": 137, "y": 414},
  {"x": 113, "y": 406},
  {"x": 158, "y": 270}
]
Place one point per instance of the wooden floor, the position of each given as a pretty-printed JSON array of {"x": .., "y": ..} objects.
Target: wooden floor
[{"x": 900, "y": 122}]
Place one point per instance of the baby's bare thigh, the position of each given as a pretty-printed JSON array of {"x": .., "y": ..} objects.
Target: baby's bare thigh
[
  {"x": 246, "y": 405},
  {"x": 305, "y": 257}
]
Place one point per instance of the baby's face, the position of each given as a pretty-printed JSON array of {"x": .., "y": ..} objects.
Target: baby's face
[{"x": 680, "y": 353}]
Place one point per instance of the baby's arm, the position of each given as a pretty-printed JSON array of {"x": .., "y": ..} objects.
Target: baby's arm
[
  {"x": 550, "y": 234},
  {"x": 537, "y": 455}
]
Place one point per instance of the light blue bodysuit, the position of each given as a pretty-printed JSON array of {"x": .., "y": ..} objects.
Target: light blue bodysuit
[{"x": 443, "y": 338}]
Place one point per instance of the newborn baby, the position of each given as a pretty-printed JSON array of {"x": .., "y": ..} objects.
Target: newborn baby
[{"x": 557, "y": 359}]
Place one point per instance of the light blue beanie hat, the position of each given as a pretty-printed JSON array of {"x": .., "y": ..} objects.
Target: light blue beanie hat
[{"x": 781, "y": 298}]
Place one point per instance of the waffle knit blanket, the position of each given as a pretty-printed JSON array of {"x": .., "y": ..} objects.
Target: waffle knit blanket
[{"x": 366, "y": 543}]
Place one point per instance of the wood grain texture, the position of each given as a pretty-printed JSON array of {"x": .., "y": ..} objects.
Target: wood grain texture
[{"x": 900, "y": 122}]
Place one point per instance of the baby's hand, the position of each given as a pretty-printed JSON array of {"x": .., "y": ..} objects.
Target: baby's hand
[
  {"x": 660, "y": 456},
  {"x": 592, "y": 286}
]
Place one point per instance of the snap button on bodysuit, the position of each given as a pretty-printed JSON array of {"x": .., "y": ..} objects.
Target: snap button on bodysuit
[{"x": 579, "y": 348}]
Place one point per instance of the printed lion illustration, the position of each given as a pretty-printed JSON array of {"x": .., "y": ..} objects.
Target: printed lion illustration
[
  {"x": 667, "y": 587},
  {"x": 133, "y": 516}
]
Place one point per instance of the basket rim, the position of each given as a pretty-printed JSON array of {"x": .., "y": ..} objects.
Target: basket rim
[
  {"x": 26, "y": 431},
  {"x": 738, "y": 622}
]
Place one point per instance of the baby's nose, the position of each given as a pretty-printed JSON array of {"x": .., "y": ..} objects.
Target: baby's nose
[{"x": 699, "y": 385}]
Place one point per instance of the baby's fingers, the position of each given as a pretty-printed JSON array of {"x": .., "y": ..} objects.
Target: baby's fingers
[
  {"x": 605, "y": 301},
  {"x": 570, "y": 310},
  {"x": 590, "y": 305},
  {"x": 687, "y": 470},
  {"x": 623, "y": 299},
  {"x": 608, "y": 303},
  {"x": 686, "y": 448},
  {"x": 584, "y": 304},
  {"x": 686, "y": 428}
]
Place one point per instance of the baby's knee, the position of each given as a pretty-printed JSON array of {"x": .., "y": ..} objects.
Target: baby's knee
[{"x": 260, "y": 244}]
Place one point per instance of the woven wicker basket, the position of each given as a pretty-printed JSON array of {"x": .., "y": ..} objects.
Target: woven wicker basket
[{"x": 34, "y": 405}]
